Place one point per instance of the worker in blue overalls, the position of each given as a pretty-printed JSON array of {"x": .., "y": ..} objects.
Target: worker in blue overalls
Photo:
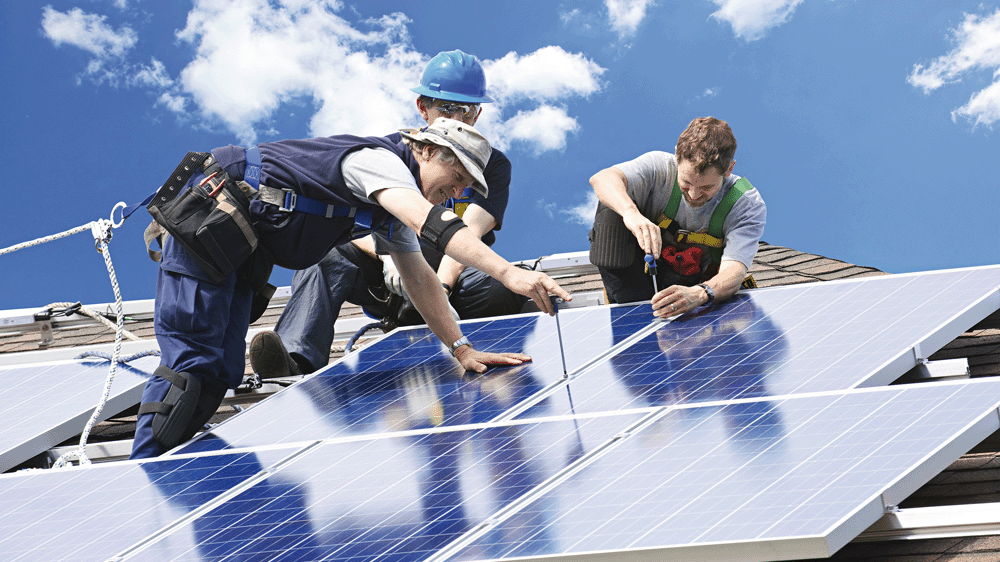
[
  {"x": 305, "y": 197},
  {"x": 453, "y": 85}
]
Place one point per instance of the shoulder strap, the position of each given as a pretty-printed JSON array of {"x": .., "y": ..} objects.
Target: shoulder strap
[
  {"x": 670, "y": 211},
  {"x": 741, "y": 186}
]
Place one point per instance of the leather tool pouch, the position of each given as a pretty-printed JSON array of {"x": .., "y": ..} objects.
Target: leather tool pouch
[{"x": 211, "y": 219}]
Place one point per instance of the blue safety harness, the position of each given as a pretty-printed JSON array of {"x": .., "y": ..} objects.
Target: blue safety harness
[{"x": 291, "y": 202}]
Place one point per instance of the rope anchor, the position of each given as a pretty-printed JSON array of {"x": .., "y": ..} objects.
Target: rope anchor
[{"x": 102, "y": 232}]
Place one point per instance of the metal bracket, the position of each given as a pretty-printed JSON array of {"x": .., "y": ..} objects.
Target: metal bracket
[{"x": 45, "y": 332}]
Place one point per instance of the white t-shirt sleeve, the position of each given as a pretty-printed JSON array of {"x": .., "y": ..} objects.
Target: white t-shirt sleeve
[{"x": 370, "y": 170}]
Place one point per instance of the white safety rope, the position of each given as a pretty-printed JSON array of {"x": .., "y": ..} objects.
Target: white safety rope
[
  {"x": 101, "y": 229},
  {"x": 24, "y": 245}
]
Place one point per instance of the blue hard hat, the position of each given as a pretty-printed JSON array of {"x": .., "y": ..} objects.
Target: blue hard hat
[{"x": 454, "y": 76}]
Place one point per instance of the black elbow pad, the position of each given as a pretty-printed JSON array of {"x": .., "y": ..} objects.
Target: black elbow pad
[{"x": 437, "y": 231}]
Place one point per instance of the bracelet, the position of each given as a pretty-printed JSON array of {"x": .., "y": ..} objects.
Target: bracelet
[
  {"x": 459, "y": 343},
  {"x": 447, "y": 288}
]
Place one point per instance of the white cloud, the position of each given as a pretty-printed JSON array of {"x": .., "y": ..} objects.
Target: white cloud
[
  {"x": 152, "y": 76},
  {"x": 580, "y": 214},
  {"x": 752, "y": 19},
  {"x": 548, "y": 74},
  {"x": 355, "y": 77},
  {"x": 274, "y": 52},
  {"x": 541, "y": 129},
  {"x": 626, "y": 15},
  {"x": 86, "y": 31},
  {"x": 584, "y": 212},
  {"x": 529, "y": 86},
  {"x": 978, "y": 49}
]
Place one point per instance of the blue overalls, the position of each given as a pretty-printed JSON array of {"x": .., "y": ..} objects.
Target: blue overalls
[{"x": 200, "y": 325}]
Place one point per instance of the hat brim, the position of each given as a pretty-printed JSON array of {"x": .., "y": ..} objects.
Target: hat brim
[
  {"x": 479, "y": 181},
  {"x": 451, "y": 96}
]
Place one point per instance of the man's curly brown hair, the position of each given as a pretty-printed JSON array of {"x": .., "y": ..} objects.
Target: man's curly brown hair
[{"x": 707, "y": 142}]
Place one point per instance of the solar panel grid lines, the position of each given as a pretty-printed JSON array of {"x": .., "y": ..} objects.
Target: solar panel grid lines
[
  {"x": 407, "y": 380},
  {"x": 206, "y": 507},
  {"x": 512, "y": 510},
  {"x": 93, "y": 512},
  {"x": 48, "y": 403},
  {"x": 786, "y": 473},
  {"x": 782, "y": 340},
  {"x": 561, "y": 383},
  {"x": 387, "y": 497},
  {"x": 905, "y": 303}
]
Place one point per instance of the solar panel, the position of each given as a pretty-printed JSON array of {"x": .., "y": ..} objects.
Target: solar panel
[
  {"x": 664, "y": 441},
  {"x": 762, "y": 479},
  {"x": 787, "y": 340},
  {"x": 45, "y": 404},
  {"x": 95, "y": 512},
  {"x": 408, "y": 380},
  {"x": 386, "y": 498}
]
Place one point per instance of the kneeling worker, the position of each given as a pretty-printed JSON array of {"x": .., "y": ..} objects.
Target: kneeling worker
[
  {"x": 312, "y": 196},
  {"x": 700, "y": 222},
  {"x": 453, "y": 85}
]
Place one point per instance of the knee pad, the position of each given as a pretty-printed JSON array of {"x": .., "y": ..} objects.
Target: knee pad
[
  {"x": 211, "y": 397},
  {"x": 173, "y": 414}
]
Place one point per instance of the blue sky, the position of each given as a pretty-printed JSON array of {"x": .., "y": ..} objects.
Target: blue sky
[{"x": 868, "y": 127}]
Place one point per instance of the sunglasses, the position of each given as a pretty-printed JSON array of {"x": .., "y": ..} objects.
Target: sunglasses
[{"x": 451, "y": 108}]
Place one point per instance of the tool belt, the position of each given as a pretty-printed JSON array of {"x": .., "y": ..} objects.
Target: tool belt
[{"x": 210, "y": 219}]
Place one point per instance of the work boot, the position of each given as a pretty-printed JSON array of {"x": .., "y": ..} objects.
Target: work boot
[{"x": 269, "y": 358}]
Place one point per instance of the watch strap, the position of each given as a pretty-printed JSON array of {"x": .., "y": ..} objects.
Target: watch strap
[
  {"x": 459, "y": 343},
  {"x": 708, "y": 291}
]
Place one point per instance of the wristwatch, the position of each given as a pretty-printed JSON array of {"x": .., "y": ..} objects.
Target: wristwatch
[
  {"x": 459, "y": 343},
  {"x": 708, "y": 291}
]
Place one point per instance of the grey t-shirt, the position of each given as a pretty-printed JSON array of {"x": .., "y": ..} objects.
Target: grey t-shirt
[
  {"x": 655, "y": 172},
  {"x": 369, "y": 170}
]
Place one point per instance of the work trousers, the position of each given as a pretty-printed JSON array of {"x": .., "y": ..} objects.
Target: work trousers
[{"x": 201, "y": 328}]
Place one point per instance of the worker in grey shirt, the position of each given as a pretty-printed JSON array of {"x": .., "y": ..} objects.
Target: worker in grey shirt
[{"x": 698, "y": 223}]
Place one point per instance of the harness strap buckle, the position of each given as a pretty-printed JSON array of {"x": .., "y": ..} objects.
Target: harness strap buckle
[
  {"x": 682, "y": 235},
  {"x": 290, "y": 198}
]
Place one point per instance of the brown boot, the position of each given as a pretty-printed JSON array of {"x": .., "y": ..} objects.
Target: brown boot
[{"x": 269, "y": 358}]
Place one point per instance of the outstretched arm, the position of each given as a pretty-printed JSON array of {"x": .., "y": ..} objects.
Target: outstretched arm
[
  {"x": 611, "y": 187},
  {"x": 678, "y": 299},
  {"x": 410, "y": 207},
  {"x": 425, "y": 291}
]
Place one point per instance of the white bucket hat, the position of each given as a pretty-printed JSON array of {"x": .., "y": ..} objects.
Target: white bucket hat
[{"x": 472, "y": 149}]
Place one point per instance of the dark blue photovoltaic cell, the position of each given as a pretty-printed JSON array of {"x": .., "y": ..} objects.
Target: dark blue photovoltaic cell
[
  {"x": 39, "y": 398},
  {"x": 389, "y": 498},
  {"x": 770, "y": 342},
  {"x": 84, "y": 514},
  {"x": 808, "y": 468},
  {"x": 408, "y": 381},
  {"x": 754, "y": 471}
]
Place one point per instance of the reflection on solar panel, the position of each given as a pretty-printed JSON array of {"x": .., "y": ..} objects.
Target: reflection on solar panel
[
  {"x": 762, "y": 479},
  {"x": 408, "y": 380},
  {"x": 94, "y": 513},
  {"x": 46, "y": 404},
  {"x": 786, "y": 340},
  {"x": 387, "y": 498},
  {"x": 736, "y": 434}
]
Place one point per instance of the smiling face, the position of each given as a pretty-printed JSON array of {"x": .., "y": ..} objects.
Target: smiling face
[
  {"x": 696, "y": 188},
  {"x": 439, "y": 179}
]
